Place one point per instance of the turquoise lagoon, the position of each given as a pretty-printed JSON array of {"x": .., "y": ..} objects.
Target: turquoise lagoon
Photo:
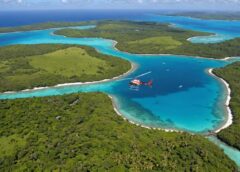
[{"x": 183, "y": 96}]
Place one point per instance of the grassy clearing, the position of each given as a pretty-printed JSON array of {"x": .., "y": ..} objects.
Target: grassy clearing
[
  {"x": 164, "y": 42},
  {"x": 69, "y": 62},
  {"x": 75, "y": 133}
]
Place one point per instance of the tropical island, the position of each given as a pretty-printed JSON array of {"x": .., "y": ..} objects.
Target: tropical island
[
  {"x": 41, "y": 26},
  {"x": 75, "y": 132}
]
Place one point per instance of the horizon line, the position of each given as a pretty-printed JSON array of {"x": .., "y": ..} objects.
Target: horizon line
[{"x": 124, "y": 9}]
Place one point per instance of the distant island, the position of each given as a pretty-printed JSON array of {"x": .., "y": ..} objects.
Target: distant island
[{"x": 224, "y": 15}]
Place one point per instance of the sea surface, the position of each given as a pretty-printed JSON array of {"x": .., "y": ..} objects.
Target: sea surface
[
  {"x": 19, "y": 18},
  {"x": 183, "y": 96}
]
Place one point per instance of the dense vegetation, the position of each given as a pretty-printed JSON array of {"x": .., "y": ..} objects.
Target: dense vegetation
[
  {"x": 28, "y": 66},
  {"x": 154, "y": 38},
  {"x": 75, "y": 133},
  {"x": 41, "y": 26},
  {"x": 231, "y": 74}
]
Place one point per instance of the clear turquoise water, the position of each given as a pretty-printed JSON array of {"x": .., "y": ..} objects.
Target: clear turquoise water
[
  {"x": 183, "y": 96},
  {"x": 210, "y": 39}
]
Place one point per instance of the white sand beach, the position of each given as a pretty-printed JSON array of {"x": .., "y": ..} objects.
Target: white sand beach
[{"x": 229, "y": 112}]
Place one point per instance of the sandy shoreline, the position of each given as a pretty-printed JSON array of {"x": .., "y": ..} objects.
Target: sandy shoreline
[
  {"x": 211, "y": 35},
  {"x": 133, "y": 68},
  {"x": 229, "y": 120}
]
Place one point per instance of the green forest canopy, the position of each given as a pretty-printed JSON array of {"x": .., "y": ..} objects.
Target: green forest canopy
[
  {"x": 75, "y": 133},
  {"x": 231, "y": 74}
]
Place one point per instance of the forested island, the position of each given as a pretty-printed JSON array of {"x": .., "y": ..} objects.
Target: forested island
[
  {"x": 231, "y": 74},
  {"x": 155, "y": 38},
  {"x": 41, "y": 26},
  {"x": 28, "y": 66},
  {"x": 220, "y": 15},
  {"x": 75, "y": 133}
]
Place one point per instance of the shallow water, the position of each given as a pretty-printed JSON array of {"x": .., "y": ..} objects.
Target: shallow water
[
  {"x": 234, "y": 154},
  {"x": 210, "y": 39}
]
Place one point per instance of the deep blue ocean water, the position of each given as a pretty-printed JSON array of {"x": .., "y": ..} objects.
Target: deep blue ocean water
[
  {"x": 183, "y": 96},
  {"x": 18, "y": 18}
]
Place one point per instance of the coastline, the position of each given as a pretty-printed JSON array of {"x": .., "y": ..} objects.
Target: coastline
[
  {"x": 211, "y": 35},
  {"x": 134, "y": 66},
  {"x": 229, "y": 120},
  {"x": 114, "y": 44},
  {"x": 139, "y": 125}
]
